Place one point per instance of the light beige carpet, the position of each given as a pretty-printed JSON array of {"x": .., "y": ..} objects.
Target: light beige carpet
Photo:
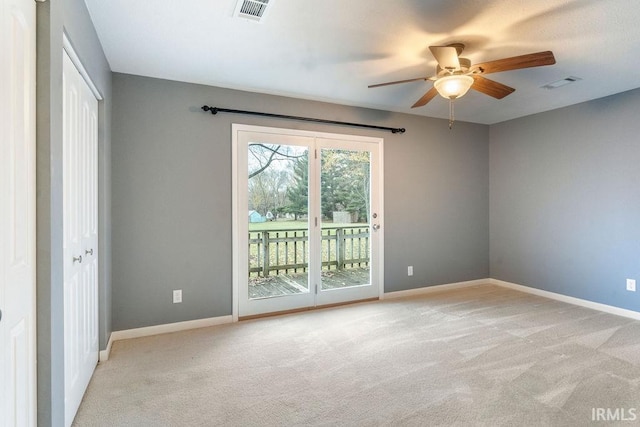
[{"x": 478, "y": 356}]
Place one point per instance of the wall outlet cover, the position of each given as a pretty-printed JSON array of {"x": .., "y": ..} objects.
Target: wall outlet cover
[
  {"x": 631, "y": 285},
  {"x": 177, "y": 296}
]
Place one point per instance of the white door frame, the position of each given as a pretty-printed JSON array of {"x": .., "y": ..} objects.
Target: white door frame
[
  {"x": 237, "y": 228},
  {"x": 75, "y": 59}
]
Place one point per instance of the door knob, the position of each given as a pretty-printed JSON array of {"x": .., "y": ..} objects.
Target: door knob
[
  {"x": 77, "y": 258},
  {"x": 375, "y": 227},
  {"x": 88, "y": 252}
]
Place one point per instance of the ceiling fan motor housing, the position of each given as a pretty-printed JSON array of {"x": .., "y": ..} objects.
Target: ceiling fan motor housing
[{"x": 465, "y": 65}]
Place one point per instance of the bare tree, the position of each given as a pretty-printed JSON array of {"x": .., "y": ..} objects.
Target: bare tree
[
  {"x": 270, "y": 173},
  {"x": 265, "y": 154}
]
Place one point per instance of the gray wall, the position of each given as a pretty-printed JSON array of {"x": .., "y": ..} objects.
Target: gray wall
[
  {"x": 172, "y": 195},
  {"x": 565, "y": 198},
  {"x": 52, "y": 19}
]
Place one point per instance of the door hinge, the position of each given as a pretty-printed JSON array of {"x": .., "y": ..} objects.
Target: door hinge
[
  {"x": 315, "y": 153},
  {"x": 316, "y": 289},
  {"x": 316, "y": 221}
]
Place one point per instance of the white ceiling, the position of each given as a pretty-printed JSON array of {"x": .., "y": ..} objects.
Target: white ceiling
[{"x": 330, "y": 50}]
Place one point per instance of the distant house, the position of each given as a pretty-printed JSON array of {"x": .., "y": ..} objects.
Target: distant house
[{"x": 254, "y": 216}]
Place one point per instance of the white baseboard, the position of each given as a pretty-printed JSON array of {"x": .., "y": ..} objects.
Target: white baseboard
[
  {"x": 213, "y": 321},
  {"x": 551, "y": 295},
  {"x": 104, "y": 354},
  {"x": 570, "y": 300},
  {"x": 435, "y": 288},
  {"x": 162, "y": 329}
]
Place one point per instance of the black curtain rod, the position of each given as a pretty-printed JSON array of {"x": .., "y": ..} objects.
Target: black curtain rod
[{"x": 216, "y": 110}]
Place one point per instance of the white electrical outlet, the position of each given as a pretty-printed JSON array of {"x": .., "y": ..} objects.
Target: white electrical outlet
[
  {"x": 631, "y": 285},
  {"x": 410, "y": 270},
  {"x": 177, "y": 296}
]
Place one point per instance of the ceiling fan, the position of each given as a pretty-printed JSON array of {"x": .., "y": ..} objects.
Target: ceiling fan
[{"x": 455, "y": 75}]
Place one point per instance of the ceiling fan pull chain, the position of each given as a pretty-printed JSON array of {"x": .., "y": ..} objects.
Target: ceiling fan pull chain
[{"x": 451, "y": 113}]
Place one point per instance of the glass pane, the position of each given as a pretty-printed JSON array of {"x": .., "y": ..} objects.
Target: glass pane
[
  {"x": 345, "y": 201},
  {"x": 278, "y": 220}
]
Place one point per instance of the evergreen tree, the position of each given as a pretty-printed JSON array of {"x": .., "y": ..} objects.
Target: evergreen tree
[
  {"x": 329, "y": 184},
  {"x": 298, "y": 192},
  {"x": 345, "y": 183}
]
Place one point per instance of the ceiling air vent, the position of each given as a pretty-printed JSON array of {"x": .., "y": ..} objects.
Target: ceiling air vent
[
  {"x": 560, "y": 83},
  {"x": 254, "y": 10}
]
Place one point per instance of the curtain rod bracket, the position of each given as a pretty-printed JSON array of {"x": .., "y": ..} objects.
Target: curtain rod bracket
[{"x": 215, "y": 110}]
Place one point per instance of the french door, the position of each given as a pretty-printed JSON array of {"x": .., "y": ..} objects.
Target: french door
[{"x": 307, "y": 211}]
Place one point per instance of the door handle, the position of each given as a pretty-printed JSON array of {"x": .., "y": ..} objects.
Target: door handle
[
  {"x": 77, "y": 258},
  {"x": 375, "y": 227},
  {"x": 88, "y": 252}
]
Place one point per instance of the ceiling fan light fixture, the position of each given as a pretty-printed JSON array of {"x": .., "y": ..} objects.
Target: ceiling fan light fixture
[{"x": 453, "y": 87}]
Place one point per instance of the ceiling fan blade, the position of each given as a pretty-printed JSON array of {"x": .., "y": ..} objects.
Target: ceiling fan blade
[
  {"x": 397, "y": 82},
  {"x": 447, "y": 57},
  {"x": 516, "y": 62},
  {"x": 491, "y": 87},
  {"x": 425, "y": 98}
]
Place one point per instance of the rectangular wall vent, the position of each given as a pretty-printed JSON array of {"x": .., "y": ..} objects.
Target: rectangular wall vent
[
  {"x": 560, "y": 83},
  {"x": 252, "y": 9}
]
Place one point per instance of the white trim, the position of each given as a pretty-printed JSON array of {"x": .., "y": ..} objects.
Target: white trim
[
  {"x": 569, "y": 300},
  {"x": 529, "y": 290},
  {"x": 234, "y": 224},
  {"x": 169, "y": 327},
  {"x": 436, "y": 288},
  {"x": 381, "y": 220},
  {"x": 161, "y": 329},
  {"x": 213, "y": 321},
  {"x": 75, "y": 60},
  {"x": 104, "y": 354},
  {"x": 307, "y": 133}
]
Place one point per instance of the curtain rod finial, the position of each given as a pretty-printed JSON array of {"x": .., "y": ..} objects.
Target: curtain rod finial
[{"x": 214, "y": 110}]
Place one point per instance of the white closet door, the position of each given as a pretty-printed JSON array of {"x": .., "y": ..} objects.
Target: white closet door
[
  {"x": 80, "y": 236},
  {"x": 17, "y": 213}
]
